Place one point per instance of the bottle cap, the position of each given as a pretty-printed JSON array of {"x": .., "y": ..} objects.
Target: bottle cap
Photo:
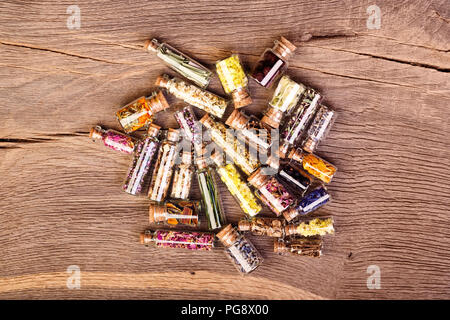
[
  {"x": 173, "y": 135},
  {"x": 296, "y": 154},
  {"x": 228, "y": 235},
  {"x": 257, "y": 179},
  {"x": 145, "y": 238},
  {"x": 244, "y": 225},
  {"x": 236, "y": 120},
  {"x": 162, "y": 80},
  {"x": 217, "y": 157},
  {"x": 309, "y": 145},
  {"x": 207, "y": 121},
  {"x": 272, "y": 117},
  {"x": 158, "y": 103},
  {"x": 153, "y": 130},
  {"x": 290, "y": 215},
  {"x": 96, "y": 133},
  {"x": 156, "y": 212},
  {"x": 241, "y": 98},
  {"x": 151, "y": 45},
  {"x": 279, "y": 246},
  {"x": 284, "y": 47}
]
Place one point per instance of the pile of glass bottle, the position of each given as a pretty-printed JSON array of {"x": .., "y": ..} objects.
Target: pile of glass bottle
[{"x": 290, "y": 182}]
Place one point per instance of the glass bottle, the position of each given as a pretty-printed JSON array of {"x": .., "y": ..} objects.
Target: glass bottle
[
  {"x": 313, "y": 227},
  {"x": 140, "y": 112},
  {"x": 236, "y": 150},
  {"x": 295, "y": 176},
  {"x": 164, "y": 166},
  {"x": 113, "y": 139},
  {"x": 310, "y": 202},
  {"x": 271, "y": 192},
  {"x": 261, "y": 226},
  {"x": 314, "y": 165},
  {"x": 210, "y": 194},
  {"x": 319, "y": 128},
  {"x": 286, "y": 95},
  {"x": 301, "y": 116},
  {"x": 193, "y": 95},
  {"x": 258, "y": 134},
  {"x": 299, "y": 246},
  {"x": 190, "y": 240},
  {"x": 175, "y": 212},
  {"x": 238, "y": 187},
  {"x": 142, "y": 158},
  {"x": 181, "y": 184},
  {"x": 241, "y": 251},
  {"x": 234, "y": 81},
  {"x": 189, "y": 124},
  {"x": 181, "y": 63},
  {"x": 273, "y": 62}
]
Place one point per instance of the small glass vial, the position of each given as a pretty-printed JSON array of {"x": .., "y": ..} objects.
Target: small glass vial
[
  {"x": 236, "y": 150},
  {"x": 238, "y": 187},
  {"x": 273, "y": 62},
  {"x": 181, "y": 184},
  {"x": 302, "y": 115},
  {"x": 234, "y": 81},
  {"x": 309, "y": 203},
  {"x": 263, "y": 227},
  {"x": 299, "y": 246},
  {"x": 210, "y": 194},
  {"x": 319, "y": 128},
  {"x": 295, "y": 176},
  {"x": 241, "y": 251},
  {"x": 190, "y": 240},
  {"x": 258, "y": 134},
  {"x": 142, "y": 158},
  {"x": 189, "y": 124},
  {"x": 310, "y": 228},
  {"x": 286, "y": 95},
  {"x": 193, "y": 95},
  {"x": 164, "y": 166},
  {"x": 140, "y": 112},
  {"x": 175, "y": 212},
  {"x": 314, "y": 165},
  {"x": 271, "y": 192},
  {"x": 181, "y": 63},
  {"x": 113, "y": 139}
]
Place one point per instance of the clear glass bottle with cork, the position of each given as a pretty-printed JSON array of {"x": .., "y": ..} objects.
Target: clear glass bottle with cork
[
  {"x": 181, "y": 183},
  {"x": 312, "y": 201},
  {"x": 234, "y": 81},
  {"x": 143, "y": 155},
  {"x": 180, "y": 62},
  {"x": 262, "y": 226},
  {"x": 164, "y": 166},
  {"x": 190, "y": 240},
  {"x": 286, "y": 95},
  {"x": 271, "y": 191},
  {"x": 319, "y": 128},
  {"x": 258, "y": 134},
  {"x": 237, "y": 186},
  {"x": 313, "y": 164},
  {"x": 242, "y": 252},
  {"x": 140, "y": 112},
  {"x": 273, "y": 62},
  {"x": 299, "y": 246},
  {"x": 210, "y": 193},
  {"x": 175, "y": 213},
  {"x": 310, "y": 228},
  {"x": 113, "y": 139}
]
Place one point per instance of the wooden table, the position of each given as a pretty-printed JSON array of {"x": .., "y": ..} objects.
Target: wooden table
[{"x": 62, "y": 203}]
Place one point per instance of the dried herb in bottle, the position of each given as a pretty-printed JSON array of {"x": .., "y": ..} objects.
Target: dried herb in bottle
[
  {"x": 310, "y": 202},
  {"x": 175, "y": 212},
  {"x": 299, "y": 246},
  {"x": 260, "y": 226},
  {"x": 314, "y": 165},
  {"x": 190, "y": 240},
  {"x": 319, "y": 128},
  {"x": 181, "y": 184},
  {"x": 286, "y": 95},
  {"x": 295, "y": 177},
  {"x": 113, "y": 139},
  {"x": 312, "y": 227}
]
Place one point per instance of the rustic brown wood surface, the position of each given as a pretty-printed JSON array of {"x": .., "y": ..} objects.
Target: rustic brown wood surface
[{"x": 61, "y": 202}]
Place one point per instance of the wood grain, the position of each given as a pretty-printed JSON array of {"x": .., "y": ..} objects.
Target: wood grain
[{"x": 61, "y": 201}]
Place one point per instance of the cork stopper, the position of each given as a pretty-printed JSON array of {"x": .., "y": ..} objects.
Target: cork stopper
[
  {"x": 290, "y": 229},
  {"x": 162, "y": 81},
  {"x": 145, "y": 238},
  {"x": 201, "y": 162},
  {"x": 207, "y": 121},
  {"x": 96, "y": 133},
  {"x": 153, "y": 130},
  {"x": 284, "y": 48},
  {"x": 173, "y": 135},
  {"x": 290, "y": 214},
  {"x": 257, "y": 179},
  {"x": 273, "y": 161},
  {"x": 236, "y": 120},
  {"x": 241, "y": 98},
  {"x": 296, "y": 154},
  {"x": 151, "y": 45},
  {"x": 309, "y": 145},
  {"x": 272, "y": 117},
  {"x": 244, "y": 225},
  {"x": 217, "y": 157},
  {"x": 228, "y": 235},
  {"x": 156, "y": 212},
  {"x": 279, "y": 246},
  {"x": 158, "y": 103}
]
